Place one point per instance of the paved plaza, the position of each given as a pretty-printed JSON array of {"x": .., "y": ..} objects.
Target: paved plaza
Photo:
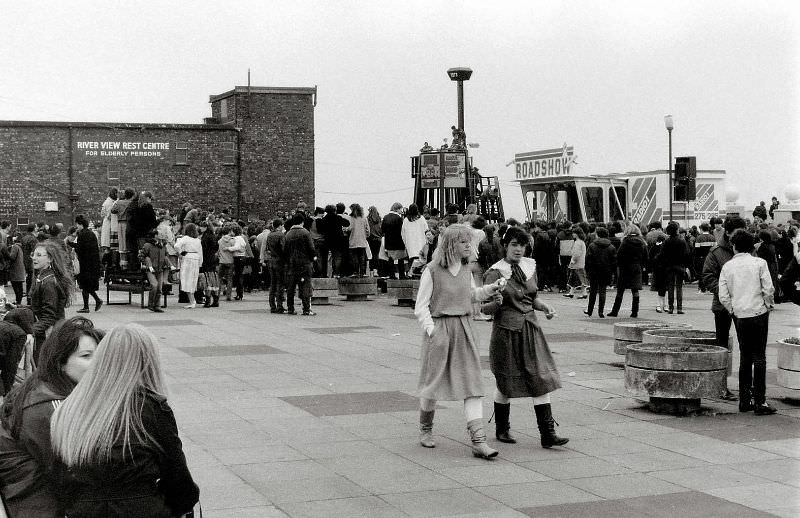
[{"x": 316, "y": 417}]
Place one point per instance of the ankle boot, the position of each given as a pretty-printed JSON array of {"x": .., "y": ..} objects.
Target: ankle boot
[
  {"x": 208, "y": 301},
  {"x": 478, "y": 437},
  {"x": 547, "y": 429},
  {"x": 426, "y": 428},
  {"x": 502, "y": 425},
  {"x": 215, "y": 303}
]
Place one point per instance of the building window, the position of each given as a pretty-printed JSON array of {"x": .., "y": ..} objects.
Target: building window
[
  {"x": 223, "y": 110},
  {"x": 181, "y": 153},
  {"x": 229, "y": 153}
]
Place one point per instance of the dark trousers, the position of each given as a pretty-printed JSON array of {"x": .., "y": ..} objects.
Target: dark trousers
[
  {"x": 595, "y": 289},
  {"x": 321, "y": 264},
  {"x": 752, "y": 334},
  {"x": 28, "y": 282},
  {"x": 722, "y": 325},
  {"x": 238, "y": 276},
  {"x": 358, "y": 260},
  {"x": 19, "y": 291},
  {"x": 298, "y": 278},
  {"x": 618, "y": 302},
  {"x": 563, "y": 271},
  {"x": 276, "y": 289},
  {"x": 86, "y": 294},
  {"x": 675, "y": 288},
  {"x": 226, "y": 279},
  {"x": 698, "y": 272},
  {"x": 156, "y": 280},
  {"x": 374, "y": 248}
]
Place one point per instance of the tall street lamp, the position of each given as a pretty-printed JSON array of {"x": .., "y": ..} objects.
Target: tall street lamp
[{"x": 669, "y": 125}]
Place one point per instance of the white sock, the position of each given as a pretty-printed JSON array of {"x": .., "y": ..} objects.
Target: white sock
[
  {"x": 426, "y": 405},
  {"x": 542, "y": 400},
  {"x": 500, "y": 398},
  {"x": 473, "y": 408}
]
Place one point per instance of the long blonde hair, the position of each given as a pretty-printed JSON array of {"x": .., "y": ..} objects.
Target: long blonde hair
[
  {"x": 448, "y": 250},
  {"x": 105, "y": 407}
]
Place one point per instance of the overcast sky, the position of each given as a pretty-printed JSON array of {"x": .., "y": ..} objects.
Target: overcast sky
[{"x": 599, "y": 76}]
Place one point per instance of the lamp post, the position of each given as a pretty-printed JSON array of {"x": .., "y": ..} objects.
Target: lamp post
[{"x": 669, "y": 125}]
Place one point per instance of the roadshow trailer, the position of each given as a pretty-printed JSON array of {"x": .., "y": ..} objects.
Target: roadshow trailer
[{"x": 639, "y": 197}]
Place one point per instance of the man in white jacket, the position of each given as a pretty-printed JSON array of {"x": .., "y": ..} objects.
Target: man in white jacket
[{"x": 746, "y": 291}]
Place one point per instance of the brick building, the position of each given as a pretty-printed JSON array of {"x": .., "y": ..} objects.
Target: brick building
[{"x": 255, "y": 154}]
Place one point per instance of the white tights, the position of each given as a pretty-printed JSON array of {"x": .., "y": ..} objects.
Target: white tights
[
  {"x": 503, "y": 400},
  {"x": 473, "y": 408}
]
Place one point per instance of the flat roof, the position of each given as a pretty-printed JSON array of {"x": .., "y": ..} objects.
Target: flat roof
[
  {"x": 114, "y": 125},
  {"x": 284, "y": 90}
]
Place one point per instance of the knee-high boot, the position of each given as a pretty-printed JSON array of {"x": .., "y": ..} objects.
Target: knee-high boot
[
  {"x": 635, "y": 306},
  {"x": 478, "y": 437},
  {"x": 426, "y": 428},
  {"x": 547, "y": 428},
  {"x": 502, "y": 414}
]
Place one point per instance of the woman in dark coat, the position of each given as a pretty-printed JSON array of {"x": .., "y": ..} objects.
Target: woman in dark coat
[
  {"x": 766, "y": 251},
  {"x": 115, "y": 439},
  {"x": 26, "y": 457},
  {"x": 659, "y": 281},
  {"x": 631, "y": 257},
  {"x": 88, "y": 252},
  {"x": 674, "y": 258},
  {"x": 51, "y": 291},
  {"x": 601, "y": 261},
  {"x": 520, "y": 358}
]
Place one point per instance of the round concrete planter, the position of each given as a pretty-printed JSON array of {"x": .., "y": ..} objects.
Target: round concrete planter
[
  {"x": 628, "y": 333},
  {"x": 788, "y": 365},
  {"x": 675, "y": 376}
]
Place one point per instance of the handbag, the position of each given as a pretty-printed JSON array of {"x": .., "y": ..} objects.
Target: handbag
[{"x": 174, "y": 276}]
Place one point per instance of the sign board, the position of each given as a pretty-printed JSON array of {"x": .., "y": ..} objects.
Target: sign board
[
  {"x": 90, "y": 149},
  {"x": 545, "y": 163},
  {"x": 452, "y": 164}
]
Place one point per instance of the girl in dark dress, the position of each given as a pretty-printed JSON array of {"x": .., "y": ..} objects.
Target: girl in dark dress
[
  {"x": 518, "y": 352},
  {"x": 88, "y": 252}
]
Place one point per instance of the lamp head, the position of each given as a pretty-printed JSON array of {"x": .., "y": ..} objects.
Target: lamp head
[
  {"x": 459, "y": 73},
  {"x": 668, "y": 122}
]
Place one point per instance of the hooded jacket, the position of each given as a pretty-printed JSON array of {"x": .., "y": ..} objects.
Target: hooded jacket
[
  {"x": 716, "y": 258},
  {"x": 601, "y": 260},
  {"x": 631, "y": 257},
  {"x": 26, "y": 462}
]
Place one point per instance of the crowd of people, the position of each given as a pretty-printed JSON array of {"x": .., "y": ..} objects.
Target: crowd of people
[{"x": 84, "y": 407}]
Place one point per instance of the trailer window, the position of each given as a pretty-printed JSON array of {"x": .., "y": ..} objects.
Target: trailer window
[
  {"x": 613, "y": 209},
  {"x": 593, "y": 203}
]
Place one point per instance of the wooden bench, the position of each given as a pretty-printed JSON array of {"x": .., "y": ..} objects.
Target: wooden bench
[{"x": 131, "y": 282}]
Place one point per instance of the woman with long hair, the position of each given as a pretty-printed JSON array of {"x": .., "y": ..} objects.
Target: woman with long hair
[
  {"x": 359, "y": 230},
  {"x": 115, "y": 438},
  {"x": 190, "y": 250},
  {"x": 520, "y": 358},
  {"x": 450, "y": 362},
  {"x": 413, "y": 232},
  {"x": 577, "y": 264},
  {"x": 26, "y": 457},
  {"x": 51, "y": 291},
  {"x": 88, "y": 252},
  {"x": 374, "y": 238}
]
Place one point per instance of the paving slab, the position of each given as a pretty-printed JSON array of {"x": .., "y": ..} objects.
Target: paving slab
[{"x": 286, "y": 416}]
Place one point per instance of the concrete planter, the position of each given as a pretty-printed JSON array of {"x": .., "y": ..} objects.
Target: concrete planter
[
  {"x": 788, "y": 365},
  {"x": 675, "y": 376},
  {"x": 358, "y": 288},
  {"x": 405, "y": 291},
  {"x": 323, "y": 289},
  {"x": 629, "y": 333}
]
